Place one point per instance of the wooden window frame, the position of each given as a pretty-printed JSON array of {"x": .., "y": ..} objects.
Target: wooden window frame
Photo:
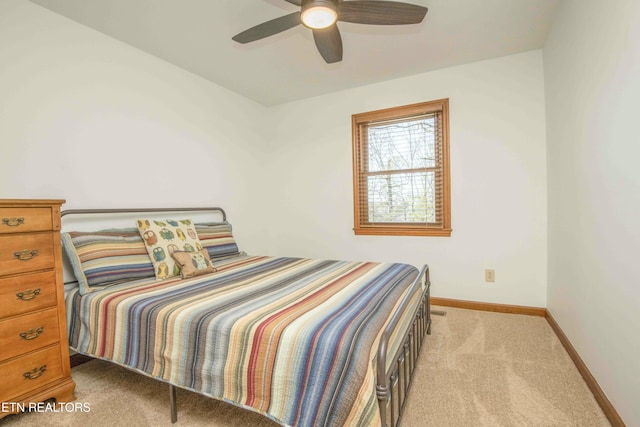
[{"x": 361, "y": 227}]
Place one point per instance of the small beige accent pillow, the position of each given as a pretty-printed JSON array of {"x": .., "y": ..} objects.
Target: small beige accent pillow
[{"x": 193, "y": 263}]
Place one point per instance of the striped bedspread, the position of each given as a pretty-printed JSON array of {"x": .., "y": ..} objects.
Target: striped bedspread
[{"x": 293, "y": 339}]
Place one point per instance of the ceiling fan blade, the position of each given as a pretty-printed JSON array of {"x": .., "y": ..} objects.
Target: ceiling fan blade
[
  {"x": 296, "y": 2},
  {"x": 376, "y": 12},
  {"x": 329, "y": 43},
  {"x": 268, "y": 28}
]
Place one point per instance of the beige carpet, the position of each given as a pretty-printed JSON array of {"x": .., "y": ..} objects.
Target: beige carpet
[{"x": 477, "y": 369}]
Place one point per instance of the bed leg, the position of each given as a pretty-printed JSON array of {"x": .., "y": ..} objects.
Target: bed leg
[{"x": 172, "y": 403}]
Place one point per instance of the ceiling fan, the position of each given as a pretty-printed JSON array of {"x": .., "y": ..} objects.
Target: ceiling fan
[{"x": 321, "y": 15}]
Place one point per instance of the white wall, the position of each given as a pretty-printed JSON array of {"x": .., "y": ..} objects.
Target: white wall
[
  {"x": 497, "y": 175},
  {"x": 89, "y": 119},
  {"x": 84, "y": 117},
  {"x": 592, "y": 77}
]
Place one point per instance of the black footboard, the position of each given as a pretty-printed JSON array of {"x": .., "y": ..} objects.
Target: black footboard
[{"x": 393, "y": 384}]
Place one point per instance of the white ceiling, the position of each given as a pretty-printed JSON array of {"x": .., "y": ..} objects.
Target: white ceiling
[{"x": 196, "y": 35}]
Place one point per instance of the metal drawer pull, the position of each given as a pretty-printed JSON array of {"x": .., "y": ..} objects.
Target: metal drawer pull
[
  {"x": 28, "y": 294},
  {"x": 32, "y": 334},
  {"x": 26, "y": 254},
  {"x": 13, "y": 222},
  {"x": 35, "y": 373}
]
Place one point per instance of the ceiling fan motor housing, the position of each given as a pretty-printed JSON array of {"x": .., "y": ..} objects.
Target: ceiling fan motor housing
[{"x": 327, "y": 3}]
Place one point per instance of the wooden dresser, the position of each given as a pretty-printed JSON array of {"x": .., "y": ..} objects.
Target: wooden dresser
[{"x": 34, "y": 350}]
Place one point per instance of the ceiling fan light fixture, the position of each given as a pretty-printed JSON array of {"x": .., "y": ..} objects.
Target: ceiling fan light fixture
[{"x": 319, "y": 14}]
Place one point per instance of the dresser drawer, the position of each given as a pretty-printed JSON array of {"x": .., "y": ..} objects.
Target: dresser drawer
[
  {"x": 30, "y": 332},
  {"x": 23, "y": 294},
  {"x": 20, "y": 220},
  {"x": 33, "y": 370},
  {"x": 23, "y": 253}
]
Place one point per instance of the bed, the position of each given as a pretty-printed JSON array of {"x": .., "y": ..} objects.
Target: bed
[{"x": 304, "y": 342}]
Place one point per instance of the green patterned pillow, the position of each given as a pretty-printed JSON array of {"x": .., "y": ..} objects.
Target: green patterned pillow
[{"x": 163, "y": 238}]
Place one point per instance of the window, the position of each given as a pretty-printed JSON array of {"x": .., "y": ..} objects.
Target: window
[{"x": 401, "y": 170}]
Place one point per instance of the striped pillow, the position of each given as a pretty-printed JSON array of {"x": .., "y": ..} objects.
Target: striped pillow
[
  {"x": 107, "y": 257},
  {"x": 217, "y": 239}
]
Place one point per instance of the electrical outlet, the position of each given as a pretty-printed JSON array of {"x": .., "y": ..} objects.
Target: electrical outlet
[{"x": 490, "y": 276}]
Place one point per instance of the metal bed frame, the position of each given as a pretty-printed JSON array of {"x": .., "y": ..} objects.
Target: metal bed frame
[{"x": 392, "y": 385}]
